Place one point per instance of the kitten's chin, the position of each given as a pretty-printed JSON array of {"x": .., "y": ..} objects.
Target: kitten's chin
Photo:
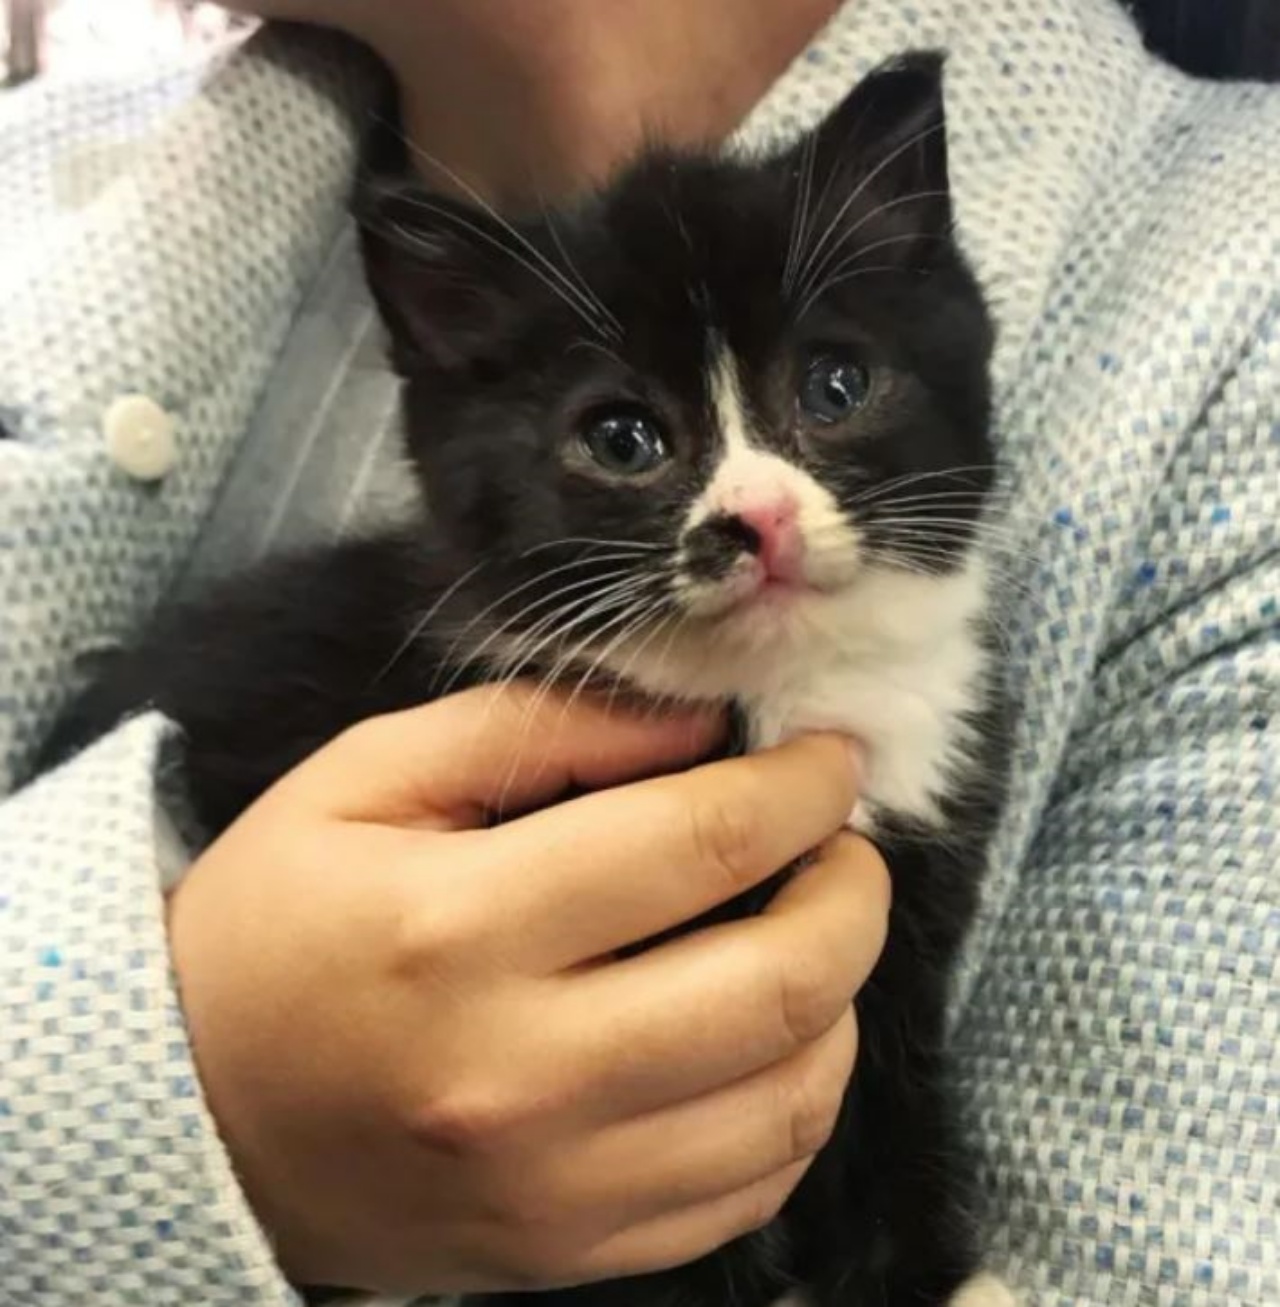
[
  {"x": 726, "y": 650},
  {"x": 774, "y": 612},
  {"x": 781, "y": 640},
  {"x": 772, "y": 600}
]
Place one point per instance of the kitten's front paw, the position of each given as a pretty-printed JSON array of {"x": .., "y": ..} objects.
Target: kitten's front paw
[{"x": 983, "y": 1290}]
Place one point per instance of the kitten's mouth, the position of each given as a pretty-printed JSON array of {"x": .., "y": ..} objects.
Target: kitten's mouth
[
  {"x": 761, "y": 581},
  {"x": 751, "y": 585}
]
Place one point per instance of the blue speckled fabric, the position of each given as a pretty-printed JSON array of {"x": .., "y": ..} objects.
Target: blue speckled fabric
[
  {"x": 1118, "y": 1026},
  {"x": 154, "y": 238}
]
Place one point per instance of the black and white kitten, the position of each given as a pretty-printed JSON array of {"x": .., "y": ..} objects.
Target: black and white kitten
[{"x": 718, "y": 433}]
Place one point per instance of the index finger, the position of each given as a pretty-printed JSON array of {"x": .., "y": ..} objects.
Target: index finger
[
  {"x": 612, "y": 869},
  {"x": 449, "y": 763},
  {"x": 714, "y": 1006}
]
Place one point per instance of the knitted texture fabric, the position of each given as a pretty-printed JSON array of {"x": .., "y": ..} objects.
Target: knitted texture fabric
[
  {"x": 155, "y": 238},
  {"x": 1117, "y": 1023},
  {"x": 1119, "y": 1012},
  {"x": 114, "y": 1188}
]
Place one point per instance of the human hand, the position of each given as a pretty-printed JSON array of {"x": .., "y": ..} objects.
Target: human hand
[{"x": 431, "y": 1069}]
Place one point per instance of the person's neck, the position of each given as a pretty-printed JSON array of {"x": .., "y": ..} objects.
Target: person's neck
[{"x": 526, "y": 114}]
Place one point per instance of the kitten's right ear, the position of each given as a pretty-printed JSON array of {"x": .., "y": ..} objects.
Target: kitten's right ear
[
  {"x": 884, "y": 146},
  {"x": 442, "y": 275}
]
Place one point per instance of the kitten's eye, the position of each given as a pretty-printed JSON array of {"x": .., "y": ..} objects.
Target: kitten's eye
[
  {"x": 833, "y": 388},
  {"x": 626, "y": 442}
]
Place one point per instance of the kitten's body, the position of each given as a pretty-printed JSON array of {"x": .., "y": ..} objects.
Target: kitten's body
[{"x": 694, "y": 445}]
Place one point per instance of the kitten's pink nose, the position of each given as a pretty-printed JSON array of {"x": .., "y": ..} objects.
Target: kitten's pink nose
[{"x": 779, "y": 545}]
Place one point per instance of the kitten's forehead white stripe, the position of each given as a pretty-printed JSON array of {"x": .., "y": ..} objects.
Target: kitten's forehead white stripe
[
  {"x": 746, "y": 473},
  {"x": 727, "y": 400}
]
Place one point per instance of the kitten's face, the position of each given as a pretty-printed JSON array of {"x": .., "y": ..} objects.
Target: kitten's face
[{"x": 697, "y": 416}]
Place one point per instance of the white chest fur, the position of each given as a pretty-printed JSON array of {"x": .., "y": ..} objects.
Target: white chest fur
[
  {"x": 895, "y": 659},
  {"x": 902, "y": 676}
]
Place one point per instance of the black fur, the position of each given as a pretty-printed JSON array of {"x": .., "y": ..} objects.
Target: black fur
[
  {"x": 504, "y": 362},
  {"x": 1214, "y": 38}
]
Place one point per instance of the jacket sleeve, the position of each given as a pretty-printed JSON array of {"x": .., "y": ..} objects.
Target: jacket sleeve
[
  {"x": 157, "y": 234},
  {"x": 114, "y": 1186},
  {"x": 1121, "y": 1047}
]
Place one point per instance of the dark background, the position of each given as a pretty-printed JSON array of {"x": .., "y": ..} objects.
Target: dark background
[{"x": 1215, "y": 38}]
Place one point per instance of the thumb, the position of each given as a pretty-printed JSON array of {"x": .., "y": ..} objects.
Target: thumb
[{"x": 452, "y": 763}]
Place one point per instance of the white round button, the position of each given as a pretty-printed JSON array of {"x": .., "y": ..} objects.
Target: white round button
[{"x": 140, "y": 438}]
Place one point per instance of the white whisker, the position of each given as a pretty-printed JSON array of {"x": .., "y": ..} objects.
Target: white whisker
[
  {"x": 837, "y": 274},
  {"x": 527, "y": 645},
  {"x": 574, "y": 271},
  {"x": 618, "y": 577},
  {"x": 586, "y": 308},
  {"x": 539, "y": 580},
  {"x": 638, "y": 624},
  {"x": 817, "y": 272},
  {"x": 673, "y": 619},
  {"x": 413, "y": 241},
  {"x": 911, "y": 478},
  {"x": 643, "y": 546},
  {"x": 421, "y": 625},
  {"x": 853, "y": 276},
  {"x": 851, "y": 199},
  {"x": 800, "y": 212},
  {"x": 641, "y": 607}
]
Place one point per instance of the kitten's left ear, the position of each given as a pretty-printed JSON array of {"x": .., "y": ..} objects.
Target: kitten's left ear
[
  {"x": 885, "y": 148},
  {"x": 445, "y": 276}
]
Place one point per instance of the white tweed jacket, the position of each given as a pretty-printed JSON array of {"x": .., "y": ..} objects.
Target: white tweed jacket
[{"x": 1118, "y": 1032}]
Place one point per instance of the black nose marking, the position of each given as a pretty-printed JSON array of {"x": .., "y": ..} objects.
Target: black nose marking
[{"x": 713, "y": 546}]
